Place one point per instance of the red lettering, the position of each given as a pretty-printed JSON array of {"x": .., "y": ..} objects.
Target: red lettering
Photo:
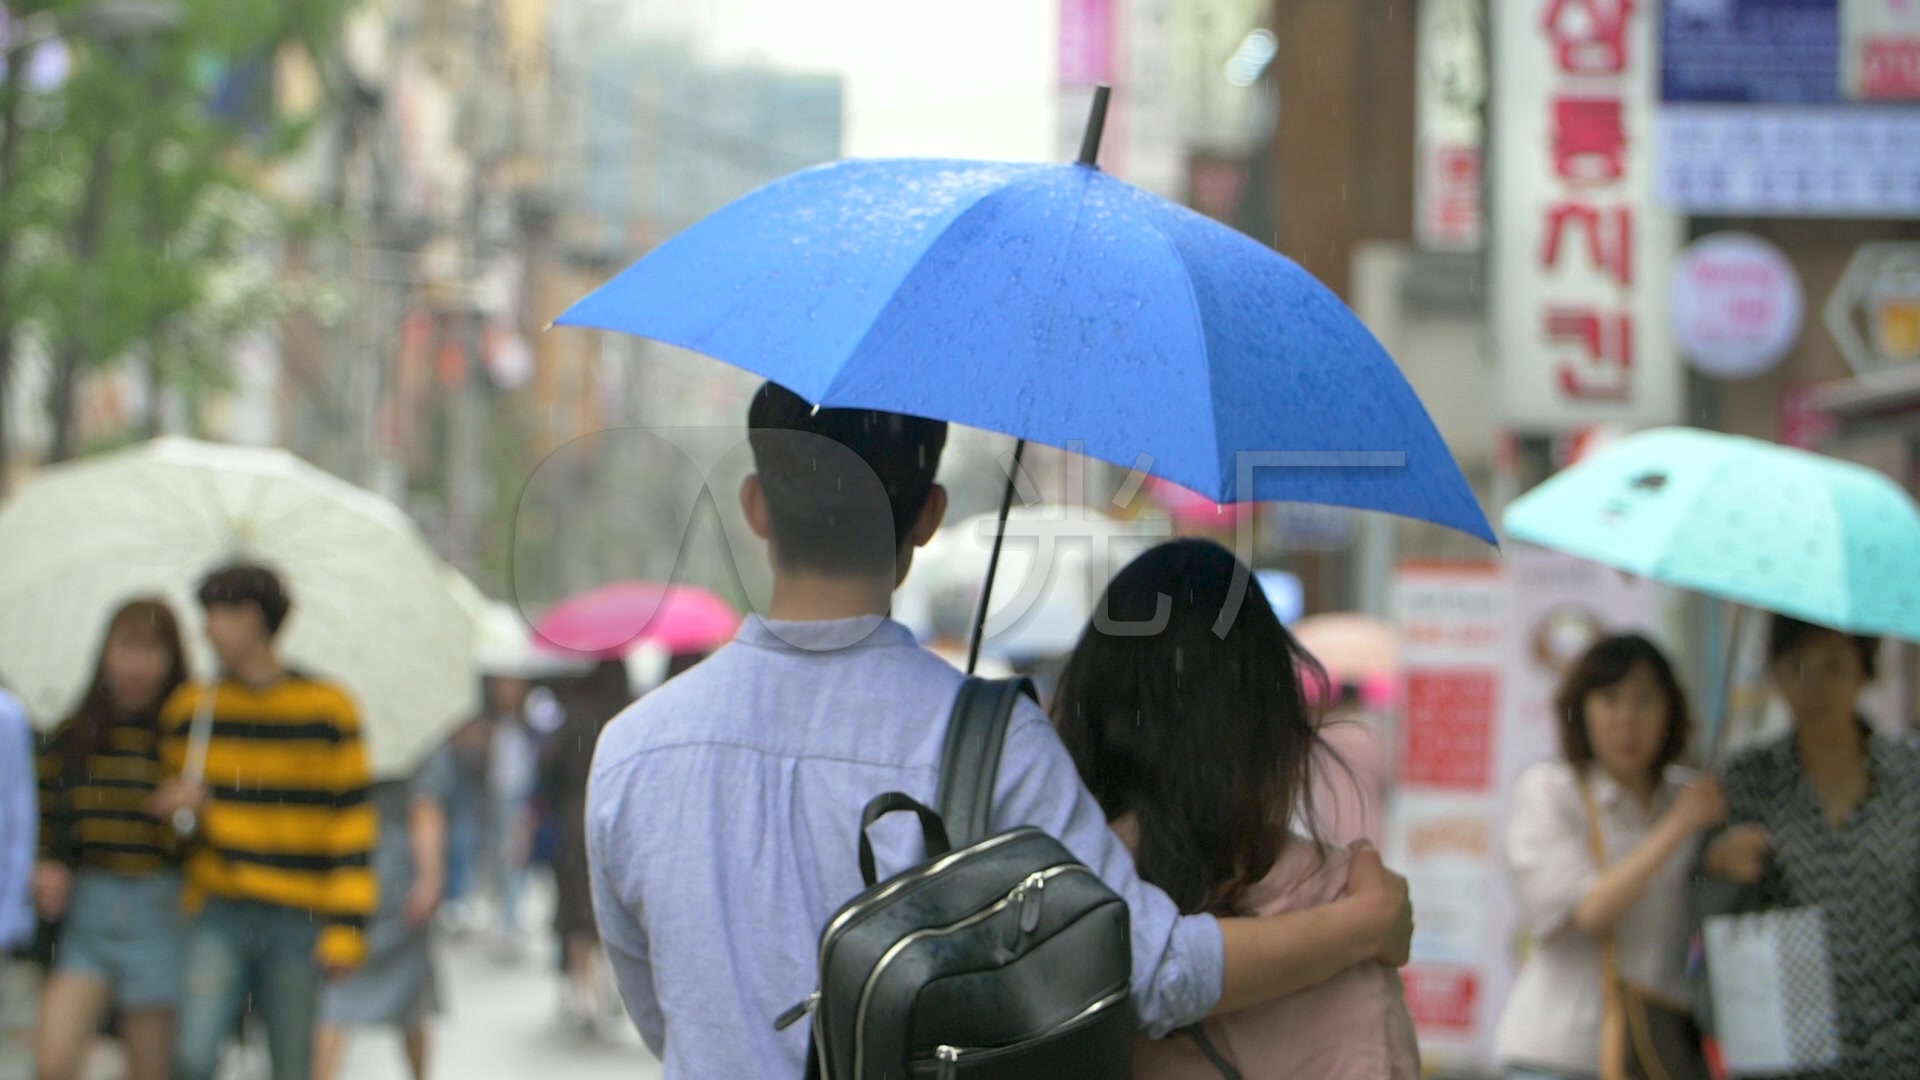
[
  {"x": 1589, "y": 36},
  {"x": 1609, "y": 237},
  {"x": 1589, "y": 140},
  {"x": 1600, "y": 368}
]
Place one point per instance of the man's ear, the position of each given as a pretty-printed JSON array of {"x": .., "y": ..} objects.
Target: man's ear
[
  {"x": 753, "y": 503},
  {"x": 931, "y": 515}
]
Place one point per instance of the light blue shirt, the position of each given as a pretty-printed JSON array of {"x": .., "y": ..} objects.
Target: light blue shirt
[
  {"x": 19, "y": 823},
  {"x": 723, "y": 823}
]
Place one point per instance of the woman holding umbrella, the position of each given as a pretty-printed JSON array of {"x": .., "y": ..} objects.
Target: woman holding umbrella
[
  {"x": 1825, "y": 818},
  {"x": 106, "y": 869}
]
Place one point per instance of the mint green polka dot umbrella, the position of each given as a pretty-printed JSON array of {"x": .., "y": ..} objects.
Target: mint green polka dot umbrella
[{"x": 1751, "y": 522}]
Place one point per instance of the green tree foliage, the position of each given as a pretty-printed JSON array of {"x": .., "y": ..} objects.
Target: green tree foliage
[{"x": 137, "y": 207}]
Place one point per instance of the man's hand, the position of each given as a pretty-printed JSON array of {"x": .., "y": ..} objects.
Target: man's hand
[
  {"x": 52, "y": 888},
  {"x": 1740, "y": 854},
  {"x": 1385, "y": 894},
  {"x": 174, "y": 796},
  {"x": 423, "y": 901}
]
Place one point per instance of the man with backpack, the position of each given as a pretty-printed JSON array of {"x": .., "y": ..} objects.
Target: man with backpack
[{"x": 724, "y": 814}]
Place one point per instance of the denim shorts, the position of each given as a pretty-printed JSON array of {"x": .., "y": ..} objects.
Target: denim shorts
[{"x": 126, "y": 930}]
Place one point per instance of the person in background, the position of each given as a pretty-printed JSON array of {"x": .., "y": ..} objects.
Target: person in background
[
  {"x": 1624, "y": 722},
  {"x": 107, "y": 871},
  {"x": 1825, "y": 818},
  {"x": 513, "y": 757},
  {"x": 950, "y": 618},
  {"x": 279, "y": 879},
  {"x": 466, "y": 807},
  {"x": 589, "y": 702},
  {"x": 397, "y": 986},
  {"x": 18, "y": 829},
  {"x": 1198, "y": 747}
]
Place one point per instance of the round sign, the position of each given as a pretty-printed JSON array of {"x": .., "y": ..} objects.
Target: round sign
[{"x": 1737, "y": 305}]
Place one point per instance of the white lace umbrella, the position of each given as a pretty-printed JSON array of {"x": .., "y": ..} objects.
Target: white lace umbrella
[{"x": 372, "y": 609}]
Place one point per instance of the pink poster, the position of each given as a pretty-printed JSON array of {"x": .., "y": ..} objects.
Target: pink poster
[{"x": 1086, "y": 42}]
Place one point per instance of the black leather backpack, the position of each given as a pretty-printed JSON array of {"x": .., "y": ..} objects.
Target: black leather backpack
[{"x": 1000, "y": 956}]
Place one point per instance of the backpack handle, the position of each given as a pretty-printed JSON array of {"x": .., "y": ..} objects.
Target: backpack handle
[
  {"x": 932, "y": 830},
  {"x": 976, "y": 731}
]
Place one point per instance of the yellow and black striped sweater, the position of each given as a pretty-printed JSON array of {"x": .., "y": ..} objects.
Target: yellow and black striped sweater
[
  {"x": 97, "y": 819},
  {"x": 287, "y": 821}
]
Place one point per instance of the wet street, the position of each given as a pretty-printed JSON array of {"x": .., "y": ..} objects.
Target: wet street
[{"x": 502, "y": 1020}]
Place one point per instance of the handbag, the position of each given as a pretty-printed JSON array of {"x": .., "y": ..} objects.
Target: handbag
[
  {"x": 1772, "y": 990},
  {"x": 1643, "y": 1036}
]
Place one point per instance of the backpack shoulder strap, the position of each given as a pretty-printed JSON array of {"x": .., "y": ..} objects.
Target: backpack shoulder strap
[{"x": 975, "y": 733}]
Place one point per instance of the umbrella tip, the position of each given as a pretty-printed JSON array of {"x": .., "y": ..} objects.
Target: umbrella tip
[
  {"x": 1096, "y": 127},
  {"x": 549, "y": 326}
]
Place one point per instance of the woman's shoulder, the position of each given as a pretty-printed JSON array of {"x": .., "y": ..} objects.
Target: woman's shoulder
[
  {"x": 1555, "y": 780},
  {"x": 1306, "y": 875}
]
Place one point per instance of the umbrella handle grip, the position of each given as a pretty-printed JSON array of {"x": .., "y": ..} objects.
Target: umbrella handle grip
[{"x": 185, "y": 823}]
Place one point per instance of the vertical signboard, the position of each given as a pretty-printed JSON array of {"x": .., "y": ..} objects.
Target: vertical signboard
[
  {"x": 1581, "y": 254},
  {"x": 1451, "y": 138},
  {"x": 1440, "y": 819}
]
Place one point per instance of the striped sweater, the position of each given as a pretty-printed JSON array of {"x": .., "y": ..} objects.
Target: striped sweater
[
  {"x": 98, "y": 820},
  {"x": 287, "y": 821}
]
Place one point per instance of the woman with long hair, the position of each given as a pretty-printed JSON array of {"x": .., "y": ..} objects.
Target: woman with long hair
[
  {"x": 106, "y": 869},
  {"x": 1623, "y": 724},
  {"x": 1201, "y": 749}
]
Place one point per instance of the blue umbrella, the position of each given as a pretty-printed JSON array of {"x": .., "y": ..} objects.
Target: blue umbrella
[{"x": 1051, "y": 303}]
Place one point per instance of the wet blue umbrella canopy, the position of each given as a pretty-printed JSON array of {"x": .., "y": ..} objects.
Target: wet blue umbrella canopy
[{"x": 1052, "y": 303}]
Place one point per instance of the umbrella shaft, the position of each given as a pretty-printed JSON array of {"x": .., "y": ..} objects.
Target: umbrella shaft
[{"x": 993, "y": 563}]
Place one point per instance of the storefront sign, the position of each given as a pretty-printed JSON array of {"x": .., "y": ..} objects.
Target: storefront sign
[
  {"x": 1737, "y": 305},
  {"x": 1453, "y": 619},
  {"x": 1874, "y": 313},
  {"x": 1451, "y": 140},
  {"x": 1881, "y": 39},
  {"x": 1579, "y": 290},
  {"x": 1760, "y": 108}
]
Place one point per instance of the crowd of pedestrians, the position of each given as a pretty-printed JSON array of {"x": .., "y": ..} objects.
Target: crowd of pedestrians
[{"x": 215, "y": 856}]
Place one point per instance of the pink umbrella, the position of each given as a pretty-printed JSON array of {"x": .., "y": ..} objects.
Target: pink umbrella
[
  {"x": 1193, "y": 510},
  {"x": 611, "y": 621}
]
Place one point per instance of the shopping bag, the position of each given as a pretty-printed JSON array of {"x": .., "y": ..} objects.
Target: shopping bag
[{"x": 1772, "y": 986}]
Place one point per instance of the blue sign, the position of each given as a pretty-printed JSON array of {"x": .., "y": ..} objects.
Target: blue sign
[{"x": 1751, "y": 52}]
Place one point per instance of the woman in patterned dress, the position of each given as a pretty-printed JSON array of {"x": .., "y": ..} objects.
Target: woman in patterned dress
[{"x": 1829, "y": 818}]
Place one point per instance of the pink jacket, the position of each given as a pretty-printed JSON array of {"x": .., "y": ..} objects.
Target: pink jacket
[{"x": 1354, "y": 1026}]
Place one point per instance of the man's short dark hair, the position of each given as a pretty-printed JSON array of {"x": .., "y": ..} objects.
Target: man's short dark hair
[
  {"x": 1786, "y": 633},
  {"x": 843, "y": 486},
  {"x": 248, "y": 583}
]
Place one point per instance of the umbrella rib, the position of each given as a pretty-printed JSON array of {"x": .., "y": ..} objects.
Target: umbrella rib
[{"x": 1206, "y": 368}]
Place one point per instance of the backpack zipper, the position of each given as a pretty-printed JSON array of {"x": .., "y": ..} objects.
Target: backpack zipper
[
  {"x": 949, "y": 1057},
  {"x": 814, "y": 1002},
  {"x": 1018, "y": 894}
]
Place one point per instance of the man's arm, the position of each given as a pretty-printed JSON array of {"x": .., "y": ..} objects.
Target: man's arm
[
  {"x": 351, "y": 888},
  {"x": 19, "y": 821},
  {"x": 616, "y": 907},
  {"x": 433, "y": 788},
  {"x": 1278, "y": 955},
  {"x": 1185, "y": 968}
]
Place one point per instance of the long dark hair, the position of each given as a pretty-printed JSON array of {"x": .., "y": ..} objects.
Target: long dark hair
[
  {"x": 85, "y": 732},
  {"x": 1208, "y": 742}
]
